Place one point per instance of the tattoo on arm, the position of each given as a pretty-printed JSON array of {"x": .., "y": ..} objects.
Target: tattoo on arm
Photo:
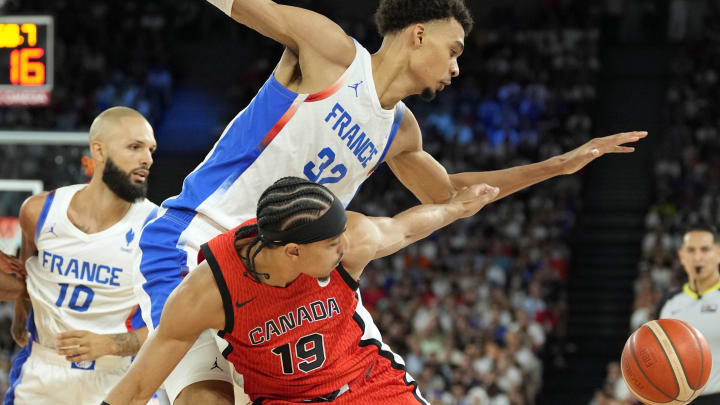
[{"x": 126, "y": 344}]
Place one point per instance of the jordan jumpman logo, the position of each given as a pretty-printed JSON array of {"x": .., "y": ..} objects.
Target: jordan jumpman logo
[{"x": 355, "y": 87}]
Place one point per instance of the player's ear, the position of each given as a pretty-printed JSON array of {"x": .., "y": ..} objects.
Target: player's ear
[
  {"x": 417, "y": 32},
  {"x": 292, "y": 250},
  {"x": 98, "y": 151}
]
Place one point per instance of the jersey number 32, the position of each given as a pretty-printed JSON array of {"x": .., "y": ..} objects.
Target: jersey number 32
[{"x": 327, "y": 157}]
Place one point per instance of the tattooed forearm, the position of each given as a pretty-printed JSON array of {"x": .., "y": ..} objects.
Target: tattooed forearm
[{"x": 128, "y": 344}]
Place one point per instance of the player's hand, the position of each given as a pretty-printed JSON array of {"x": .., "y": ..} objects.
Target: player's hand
[
  {"x": 12, "y": 265},
  {"x": 82, "y": 345},
  {"x": 579, "y": 157},
  {"x": 470, "y": 200}
]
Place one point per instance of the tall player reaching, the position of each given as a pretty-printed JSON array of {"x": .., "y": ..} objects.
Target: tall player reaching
[
  {"x": 79, "y": 245},
  {"x": 283, "y": 293},
  {"x": 330, "y": 112}
]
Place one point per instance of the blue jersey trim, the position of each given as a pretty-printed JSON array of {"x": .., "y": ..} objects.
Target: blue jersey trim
[
  {"x": 137, "y": 322},
  {"x": 237, "y": 149},
  {"x": 150, "y": 217},
  {"x": 163, "y": 261},
  {"x": 399, "y": 115},
  {"x": 282, "y": 90},
  {"x": 19, "y": 361},
  {"x": 16, "y": 373},
  {"x": 43, "y": 214}
]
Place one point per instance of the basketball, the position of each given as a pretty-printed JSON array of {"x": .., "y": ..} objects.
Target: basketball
[{"x": 666, "y": 361}]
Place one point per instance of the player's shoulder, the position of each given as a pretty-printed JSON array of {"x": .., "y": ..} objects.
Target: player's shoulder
[
  {"x": 363, "y": 237},
  {"x": 409, "y": 135},
  {"x": 33, "y": 206},
  {"x": 358, "y": 225}
]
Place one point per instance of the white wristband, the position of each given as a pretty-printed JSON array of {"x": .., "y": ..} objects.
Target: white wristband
[{"x": 224, "y": 5}]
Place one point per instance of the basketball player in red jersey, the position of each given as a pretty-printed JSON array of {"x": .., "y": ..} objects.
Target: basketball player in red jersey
[{"x": 283, "y": 293}]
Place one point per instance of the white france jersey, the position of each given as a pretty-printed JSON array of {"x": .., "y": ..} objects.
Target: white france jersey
[
  {"x": 80, "y": 281},
  {"x": 336, "y": 137}
]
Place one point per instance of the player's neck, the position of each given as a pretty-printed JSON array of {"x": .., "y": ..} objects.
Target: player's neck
[
  {"x": 390, "y": 69},
  {"x": 96, "y": 208},
  {"x": 270, "y": 261},
  {"x": 702, "y": 285}
]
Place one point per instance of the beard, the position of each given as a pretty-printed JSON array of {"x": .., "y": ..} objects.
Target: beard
[
  {"x": 427, "y": 94},
  {"x": 119, "y": 182}
]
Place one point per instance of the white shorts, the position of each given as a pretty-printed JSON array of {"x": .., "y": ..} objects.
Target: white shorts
[
  {"x": 44, "y": 377},
  {"x": 203, "y": 362}
]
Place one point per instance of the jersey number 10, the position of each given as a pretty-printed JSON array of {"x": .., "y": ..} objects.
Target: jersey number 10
[{"x": 73, "y": 304}]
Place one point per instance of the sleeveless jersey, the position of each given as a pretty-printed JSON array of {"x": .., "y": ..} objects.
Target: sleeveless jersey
[
  {"x": 83, "y": 281},
  {"x": 336, "y": 137},
  {"x": 700, "y": 311},
  {"x": 296, "y": 343}
]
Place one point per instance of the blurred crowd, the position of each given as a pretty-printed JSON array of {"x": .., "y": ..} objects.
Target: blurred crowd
[
  {"x": 106, "y": 54},
  {"x": 687, "y": 179},
  {"x": 478, "y": 308}
]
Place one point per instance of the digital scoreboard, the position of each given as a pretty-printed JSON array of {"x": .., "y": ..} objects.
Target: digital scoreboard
[{"x": 26, "y": 60}]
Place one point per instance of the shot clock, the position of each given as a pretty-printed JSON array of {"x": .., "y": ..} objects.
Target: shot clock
[{"x": 26, "y": 60}]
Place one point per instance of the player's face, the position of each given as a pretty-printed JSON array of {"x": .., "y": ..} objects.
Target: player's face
[
  {"x": 699, "y": 255},
  {"x": 437, "y": 59},
  {"x": 322, "y": 257},
  {"x": 129, "y": 158}
]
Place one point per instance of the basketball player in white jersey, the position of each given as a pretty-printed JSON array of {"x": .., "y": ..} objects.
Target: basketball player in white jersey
[
  {"x": 79, "y": 244},
  {"x": 330, "y": 112}
]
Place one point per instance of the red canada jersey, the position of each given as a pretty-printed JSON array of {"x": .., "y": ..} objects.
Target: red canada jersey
[{"x": 299, "y": 342}]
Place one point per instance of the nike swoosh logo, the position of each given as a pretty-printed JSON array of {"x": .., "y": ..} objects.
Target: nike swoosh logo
[{"x": 239, "y": 304}]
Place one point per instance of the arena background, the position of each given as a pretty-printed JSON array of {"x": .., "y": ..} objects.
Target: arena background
[{"x": 528, "y": 302}]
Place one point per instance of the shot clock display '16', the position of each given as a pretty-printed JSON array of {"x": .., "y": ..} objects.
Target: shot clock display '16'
[{"x": 26, "y": 60}]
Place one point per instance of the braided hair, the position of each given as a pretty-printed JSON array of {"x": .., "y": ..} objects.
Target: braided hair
[{"x": 287, "y": 204}]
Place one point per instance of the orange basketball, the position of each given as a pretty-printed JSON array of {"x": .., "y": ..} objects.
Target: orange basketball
[{"x": 666, "y": 362}]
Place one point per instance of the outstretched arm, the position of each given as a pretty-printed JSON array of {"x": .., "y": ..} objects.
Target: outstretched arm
[
  {"x": 305, "y": 32},
  {"x": 194, "y": 306},
  {"x": 430, "y": 182},
  {"x": 375, "y": 237}
]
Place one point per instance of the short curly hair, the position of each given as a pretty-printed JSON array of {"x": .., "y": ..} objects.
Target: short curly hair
[{"x": 394, "y": 15}]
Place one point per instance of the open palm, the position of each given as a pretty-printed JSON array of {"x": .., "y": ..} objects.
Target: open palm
[{"x": 579, "y": 157}]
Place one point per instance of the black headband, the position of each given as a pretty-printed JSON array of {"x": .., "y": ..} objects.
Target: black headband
[{"x": 329, "y": 225}]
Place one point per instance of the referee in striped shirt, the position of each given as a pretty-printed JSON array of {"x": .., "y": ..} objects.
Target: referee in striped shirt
[{"x": 698, "y": 302}]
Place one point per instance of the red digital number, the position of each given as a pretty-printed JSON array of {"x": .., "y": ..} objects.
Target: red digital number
[{"x": 25, "y": 70}]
